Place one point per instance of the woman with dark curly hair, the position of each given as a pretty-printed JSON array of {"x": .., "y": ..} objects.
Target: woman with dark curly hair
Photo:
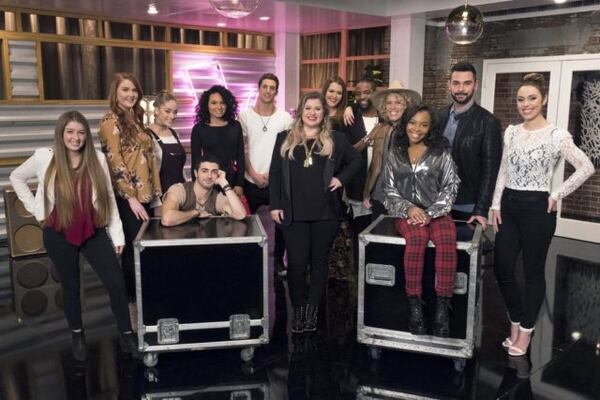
[
  {"x": 420, "y": 185},
  {"x": 217, "y": 132}
]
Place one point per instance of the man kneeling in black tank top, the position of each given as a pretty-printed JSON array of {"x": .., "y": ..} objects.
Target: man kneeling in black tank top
[{"x": 200, "y": 198}]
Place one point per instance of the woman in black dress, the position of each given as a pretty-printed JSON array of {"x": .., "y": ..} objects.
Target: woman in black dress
[{"x": 217, "y": 132}]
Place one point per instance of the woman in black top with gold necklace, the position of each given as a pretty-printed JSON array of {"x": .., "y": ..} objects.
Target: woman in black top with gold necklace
[{"x": 309, "y": 166}]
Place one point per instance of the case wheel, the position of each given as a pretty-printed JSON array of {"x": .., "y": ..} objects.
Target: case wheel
[
  {"x": 247, "y": 354},
  {"x": 375, "y": 352},
  {"x": 150, "y": 359},
  {"x": 459, "y": 364}
]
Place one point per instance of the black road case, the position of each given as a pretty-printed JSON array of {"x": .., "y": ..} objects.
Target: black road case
[
  {"x": 382, "y": 303},
  {"x": 201, "y": 285}
]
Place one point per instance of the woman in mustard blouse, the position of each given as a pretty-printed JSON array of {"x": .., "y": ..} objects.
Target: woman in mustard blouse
[{"x": 133, "y": 169}]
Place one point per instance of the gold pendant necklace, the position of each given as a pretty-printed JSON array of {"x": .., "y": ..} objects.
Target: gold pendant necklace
[{"x": 308, "y": 161}]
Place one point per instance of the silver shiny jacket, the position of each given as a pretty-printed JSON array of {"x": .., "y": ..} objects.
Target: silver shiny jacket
[{"x": 432, "y": 184}]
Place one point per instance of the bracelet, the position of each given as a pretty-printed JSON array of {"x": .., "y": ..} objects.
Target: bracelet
[{"x": 226, "y": 188}]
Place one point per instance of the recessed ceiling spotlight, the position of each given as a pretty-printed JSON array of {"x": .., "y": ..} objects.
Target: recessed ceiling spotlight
[
  {"x": 152, "y": 10},
  {"x": 560, "y": 1},
  {"x": 221, "y": 24},
  {"x": 265, "y": 18}
]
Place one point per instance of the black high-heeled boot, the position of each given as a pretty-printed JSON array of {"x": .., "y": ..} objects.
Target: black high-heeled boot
[
  {"x": 441, "y": 318},
  {"x": 129, "y": 345},
  {"x": 298, "y": 321},
  {"x": 310, "y": 321},
  {"x": 416, "y": 321},
  {"x": 78, "y": 345}
]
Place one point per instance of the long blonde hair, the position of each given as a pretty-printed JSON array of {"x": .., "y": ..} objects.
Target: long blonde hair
[
  {"x": 297, "y": 137},
  {"x": 60, "y": 175}
]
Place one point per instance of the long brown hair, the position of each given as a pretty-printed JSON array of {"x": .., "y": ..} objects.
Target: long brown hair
[
  {"x": 297, "y": 137},
  {"x": 60, "y": 175},
  {"x": 129, "y": 124},
  {"x": 339, "y": 109}
]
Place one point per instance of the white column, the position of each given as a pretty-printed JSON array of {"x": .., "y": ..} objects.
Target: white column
[
  {"x": 407, "y": 51},
  {"x": 287, "y": 68}
]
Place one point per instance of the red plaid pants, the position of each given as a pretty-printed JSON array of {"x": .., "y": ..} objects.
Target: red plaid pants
[{"x": 442, "y": 233}]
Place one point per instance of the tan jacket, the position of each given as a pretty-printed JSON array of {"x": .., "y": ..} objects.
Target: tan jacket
[{"x": 378, "y": 135}]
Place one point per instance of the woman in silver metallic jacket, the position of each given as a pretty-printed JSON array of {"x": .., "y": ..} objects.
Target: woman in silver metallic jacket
[{"x": 420, "y": 185}]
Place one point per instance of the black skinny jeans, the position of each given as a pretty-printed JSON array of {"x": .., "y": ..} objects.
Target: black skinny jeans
[
  {"x": 131, "y": 227},
  {"x": 260, "y": 197},
  {"x": 308, "y": 243},
  {"x": 99, "y": 252},
  {"x": 527, "y": 227}
]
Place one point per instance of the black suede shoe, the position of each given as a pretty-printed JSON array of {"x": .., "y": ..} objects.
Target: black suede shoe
[
  {"x": 129, "y": 345},
  {"x": 310, "y": 321},
  {"x": 441, "y": 319},
  {"x": 298, "y": 321},
  {"x": 416, "y": 322},
  {"x": 78, "y": 346}
]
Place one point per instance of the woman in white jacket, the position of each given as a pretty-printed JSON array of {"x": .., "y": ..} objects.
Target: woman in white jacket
[{"x": 75, "y": 204}]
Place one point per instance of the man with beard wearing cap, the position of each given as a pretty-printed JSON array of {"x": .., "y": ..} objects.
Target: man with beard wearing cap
[{"x": 476, "y": 140}]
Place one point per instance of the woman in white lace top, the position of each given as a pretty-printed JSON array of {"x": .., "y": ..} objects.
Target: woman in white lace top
[{"x": 524, "y": 206}]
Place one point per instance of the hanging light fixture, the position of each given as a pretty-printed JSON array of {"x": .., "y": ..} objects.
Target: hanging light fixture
[
  {"x": 234, "y": 8},
  {"x": 464, "y": 24}
]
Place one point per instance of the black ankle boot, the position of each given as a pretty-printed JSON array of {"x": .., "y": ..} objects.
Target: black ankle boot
[
  {"x": 298, "y": 321},
  {"x": 78, "y": 345},
  {"x": 129, "y": 345},
  {"x": 416, "y": 322},
  {"x": 441, "y": 325},
  {"x": 310, "y": 322}
]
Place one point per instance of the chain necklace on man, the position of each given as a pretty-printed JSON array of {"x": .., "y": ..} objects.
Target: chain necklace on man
[{"x": 264, "y": 124}]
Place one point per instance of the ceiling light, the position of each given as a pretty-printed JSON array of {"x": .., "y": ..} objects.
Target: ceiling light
[
  {"x": 560, "y": 1},
  {"x": 221, "y": 24},
  {"x": 265, "y": 18},
  {"x": 464, "y": 24},
  {"x": 234, "y": 8},
  {"x": 152, "y": 10}
]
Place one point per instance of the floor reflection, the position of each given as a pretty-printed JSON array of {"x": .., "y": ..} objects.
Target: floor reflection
[{"x": 35, "y": 360}]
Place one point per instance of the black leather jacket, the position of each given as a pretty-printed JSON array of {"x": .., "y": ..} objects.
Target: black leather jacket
[{"x": 477, "y": 151}]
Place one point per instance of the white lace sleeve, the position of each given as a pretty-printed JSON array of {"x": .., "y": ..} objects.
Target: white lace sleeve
[
  {"x": 577, "y": 158},
  {"x": 503, "y": 171}
]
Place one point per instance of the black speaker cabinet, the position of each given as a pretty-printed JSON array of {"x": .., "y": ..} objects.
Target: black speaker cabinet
[
  {"x": 36, "y": 287},
  {"x": 23, "y": 231}
]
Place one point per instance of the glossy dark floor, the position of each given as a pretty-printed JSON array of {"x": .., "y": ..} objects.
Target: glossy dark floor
[{"x": 564, "y": 361}]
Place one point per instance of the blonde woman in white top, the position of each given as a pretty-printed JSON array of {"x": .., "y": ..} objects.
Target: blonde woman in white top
[
  {"x": 524, "y": 206},
  {"x": 75, "y": 204}
]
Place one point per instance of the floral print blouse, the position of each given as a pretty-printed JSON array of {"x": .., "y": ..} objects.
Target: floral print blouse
[{"x": 132, "y": 166}]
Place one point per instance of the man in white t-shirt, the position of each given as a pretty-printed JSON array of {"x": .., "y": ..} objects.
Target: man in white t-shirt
[{"x": 260, "y": 126}]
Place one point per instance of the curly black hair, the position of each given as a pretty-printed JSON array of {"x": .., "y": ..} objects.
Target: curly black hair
[
  {"x": 231, "y": 105},
  {"x": 435, "y": 140}
]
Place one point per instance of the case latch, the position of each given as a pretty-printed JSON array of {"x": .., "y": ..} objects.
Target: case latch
[
  {"x": 239, "y": 326},
  {"x": 168, "y": 330},
  {"x": 381, "y": 274}
]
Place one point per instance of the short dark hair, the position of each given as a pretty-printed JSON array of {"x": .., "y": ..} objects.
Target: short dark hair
[
  {"x": 231, "y": 105},
  {"x": 206, "y": 157},
  {"x": 369, "y": 81},
  {"x": 270, "y": 76},
  {"x": 464, "y": 66}
]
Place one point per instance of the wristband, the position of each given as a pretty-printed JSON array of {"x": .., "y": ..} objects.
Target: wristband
[{"x": 226, "y": 188}]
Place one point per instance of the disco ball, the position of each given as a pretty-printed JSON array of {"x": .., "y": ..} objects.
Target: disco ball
[
  {"x": 464, "y": 25},
  {"x": 234, "y": 8}
]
